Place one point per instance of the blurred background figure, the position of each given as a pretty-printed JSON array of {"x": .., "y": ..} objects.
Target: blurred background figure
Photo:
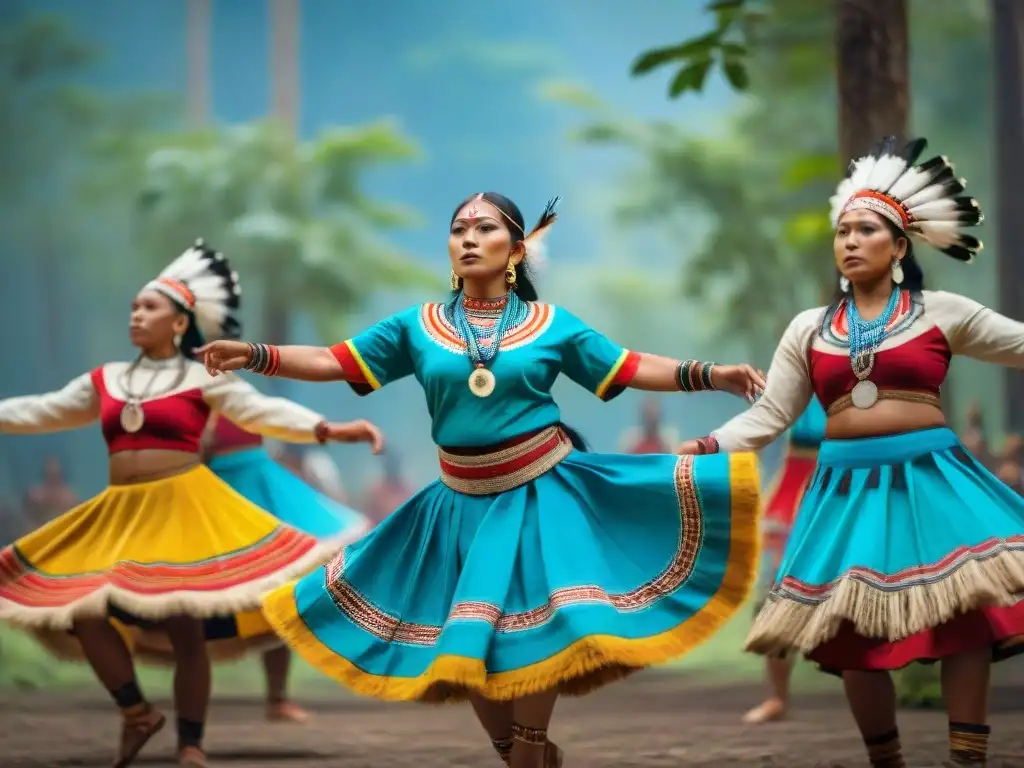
[
  {"x": 314, "y": 466},
  {"x": 973, "y": 436},
  {"x": 50, "y": 497},
  {"x": 652, "y": 436},
  {"x": 389, "y": 491}
]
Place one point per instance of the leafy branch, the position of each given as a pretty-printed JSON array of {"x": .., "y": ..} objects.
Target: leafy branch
[{"x": 727, "y": 45}]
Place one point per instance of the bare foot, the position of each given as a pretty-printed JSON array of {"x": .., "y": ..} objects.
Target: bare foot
[
  {"x": 770, "y": 710},
  {"x": 137, "y": 728},
  {"x": 192, "y": 757},
  {"x": 286, "y": 712}
]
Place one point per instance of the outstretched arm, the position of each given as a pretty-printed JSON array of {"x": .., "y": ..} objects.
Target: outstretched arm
[
  {"x": 655, "y": 373},
  {"x": 593, "y": 361},
  {"x": 76, "y": 405},
  {"x": 290, "y": 362},
  {"x": 279, "y": 418},
  {"x": 374, "y": 358},
  {"x": 974, "y": 330},
  {"x": 786, "y": 396}
]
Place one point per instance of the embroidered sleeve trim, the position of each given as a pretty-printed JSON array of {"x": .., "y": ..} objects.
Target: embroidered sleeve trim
[
  {"x": 620, "y": 376},
  {"x": 357, "y": 373}
]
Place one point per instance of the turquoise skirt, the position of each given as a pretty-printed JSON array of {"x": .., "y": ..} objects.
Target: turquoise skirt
[
  {"x": 274, "y": 489},
  {"x": 904, "y": 549},
  {"x": 602, "y": 565}
]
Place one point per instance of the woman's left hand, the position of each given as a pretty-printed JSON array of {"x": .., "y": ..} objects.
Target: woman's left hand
[
  {"x": 355, "y": 432},
  {"x": 742, "y": 380}
]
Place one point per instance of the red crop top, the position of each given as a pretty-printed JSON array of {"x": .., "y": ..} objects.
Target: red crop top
[
  {"x": 920, "y": 365},
  {"x": 228, "y": 436},
  {"x": 174, "y": 423}
]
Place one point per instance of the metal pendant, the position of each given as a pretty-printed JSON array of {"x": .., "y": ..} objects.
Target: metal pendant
[
  {"x": 132, "y": 418},
  {"x": 481, "y": 382},
  {"x": 864, "y": 394}
]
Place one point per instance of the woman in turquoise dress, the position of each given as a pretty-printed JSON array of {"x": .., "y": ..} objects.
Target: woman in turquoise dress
[{"x": 531, "y": 568}]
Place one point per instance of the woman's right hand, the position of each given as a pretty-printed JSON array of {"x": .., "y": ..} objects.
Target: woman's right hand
[{"x": 224, "y": 355}]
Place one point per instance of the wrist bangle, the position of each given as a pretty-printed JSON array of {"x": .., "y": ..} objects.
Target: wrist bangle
[
  {"x": 264, "y": 359},
  {"x": 694, "y": 376},
  {"x": 706, "y": 445},
  {"x": 320, "y": 432}
]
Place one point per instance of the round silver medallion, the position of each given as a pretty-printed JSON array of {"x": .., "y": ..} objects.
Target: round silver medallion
[
  {"x": 864, "y": 394},
  {"x": 481, "y": 382},
  {"x": 132, "y": 417}
]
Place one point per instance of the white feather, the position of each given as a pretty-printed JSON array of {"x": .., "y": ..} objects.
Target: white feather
[
  {"x": 914, "y": 180},
  {"x": 927, "y": 195},
  {"x": 886, "y": 171},
  {"x": 838, "y": 201},
  {"x": 941, "y": 234},
  {"x": 945, "y": 209},
  {"x": 537, "y": 254}
]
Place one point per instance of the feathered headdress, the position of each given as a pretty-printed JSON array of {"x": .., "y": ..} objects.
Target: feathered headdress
[
  {"x": 201, "y": 280},
  {"x": 922, "y": 200}
]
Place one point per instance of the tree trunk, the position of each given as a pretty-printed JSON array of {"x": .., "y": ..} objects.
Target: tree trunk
[
  {"x": 197, "y": 55},
  {"x": 1007, "y": 42},
  {"x": 873, "y": 73},
  {"x": 284, "y": 62}
]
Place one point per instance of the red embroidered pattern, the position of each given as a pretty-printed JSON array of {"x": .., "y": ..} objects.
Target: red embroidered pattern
[
  {"x": 23, "y": 585},
  {"x": 377, "y": 622},
  {"x": 921, "y": 575}
]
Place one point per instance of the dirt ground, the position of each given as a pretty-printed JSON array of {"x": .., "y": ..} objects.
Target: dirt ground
[{"x": 651, "y": 720}]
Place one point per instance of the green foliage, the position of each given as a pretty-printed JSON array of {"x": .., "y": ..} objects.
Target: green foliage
[
  {"x": 725, "y": 45},
  {"x": 762, "y": 183},
  {"x": 292, "y": 216}
]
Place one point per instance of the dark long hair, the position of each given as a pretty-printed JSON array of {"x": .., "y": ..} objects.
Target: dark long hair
[
  {"x": 193, "y": 338},
  {"x": 913, "y": 275},
  {"x": 526, "y": 288}
]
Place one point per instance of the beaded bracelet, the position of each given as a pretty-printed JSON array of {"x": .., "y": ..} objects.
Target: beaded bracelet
[
  {"x": 694, "y": 376},
  {"x": 264, "y": 359},
  {"x": 706, "y": 445}
]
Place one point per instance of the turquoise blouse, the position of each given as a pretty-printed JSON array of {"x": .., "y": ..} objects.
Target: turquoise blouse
[{"x": 420, "y": 341}]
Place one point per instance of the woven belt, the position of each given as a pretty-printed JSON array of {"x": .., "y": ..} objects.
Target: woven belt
[
  {"x": 906, "y": 395},
  {"x": 506, "y": 468}
]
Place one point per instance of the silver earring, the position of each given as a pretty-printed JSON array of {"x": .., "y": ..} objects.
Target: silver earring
[
  {"x": 177, "y": 341},
  {"x": 897, "y": 271},
  {"x": 844, "y": 284}
]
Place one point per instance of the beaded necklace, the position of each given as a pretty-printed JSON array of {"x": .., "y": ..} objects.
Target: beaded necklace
[
  {"x": 482, "y": 380},
  {"x": 865, "y": 337}
]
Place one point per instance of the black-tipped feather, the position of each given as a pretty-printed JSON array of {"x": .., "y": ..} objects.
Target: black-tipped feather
[
  {"x": 912, "y": 151},
  {"x": 549, "y": 215}
]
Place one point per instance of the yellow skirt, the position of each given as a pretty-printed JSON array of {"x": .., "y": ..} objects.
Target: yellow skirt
[{"x": 139, "y": 553}]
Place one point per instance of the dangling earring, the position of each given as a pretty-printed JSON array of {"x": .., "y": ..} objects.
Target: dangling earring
[
  {"x": 455, "y": 281},
  {"x": 844, "y": 284},
  {"x": 510, "y": 275},
  {"x": 897, "y": 271},
  {"x": 177, "y": 341}
]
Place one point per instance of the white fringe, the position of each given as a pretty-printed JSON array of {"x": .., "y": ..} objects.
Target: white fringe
[{"x": 202, "y": 605}]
